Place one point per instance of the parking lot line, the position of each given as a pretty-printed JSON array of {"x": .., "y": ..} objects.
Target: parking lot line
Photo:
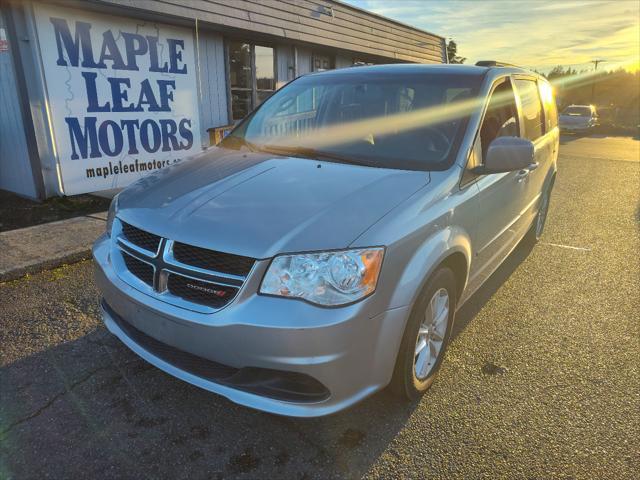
[{"x": 571, "y": 247}]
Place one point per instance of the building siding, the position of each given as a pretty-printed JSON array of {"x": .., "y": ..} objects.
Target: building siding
[
  {"x": 15, "y": 169},
  {"x": 343, "y": 61},
  {"x": 305, "y": 57},
  {"x": 213, "y": 105},
  {"x": 320, "y": 22},
  {"x": 284, "y": 64}
]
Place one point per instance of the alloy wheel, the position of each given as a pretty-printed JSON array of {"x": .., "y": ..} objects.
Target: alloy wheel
[{"x": 431, "y": 334}]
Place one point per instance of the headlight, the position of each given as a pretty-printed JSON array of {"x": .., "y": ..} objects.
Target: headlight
[
  {"x": 111, "y": 215},
  {"x": 325, "y": 278}
]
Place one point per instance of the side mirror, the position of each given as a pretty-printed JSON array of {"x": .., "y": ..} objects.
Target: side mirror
[{"x": 506, "y": 154}]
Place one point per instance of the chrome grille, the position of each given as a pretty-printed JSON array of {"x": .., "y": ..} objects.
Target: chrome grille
[{"x": 177, "y": 273}]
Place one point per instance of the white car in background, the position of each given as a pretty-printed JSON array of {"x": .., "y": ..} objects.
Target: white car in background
[{"x": 578, "y": 119}]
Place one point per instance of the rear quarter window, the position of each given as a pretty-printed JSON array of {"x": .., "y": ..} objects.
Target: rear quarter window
[{"x": 549, "y": 104}]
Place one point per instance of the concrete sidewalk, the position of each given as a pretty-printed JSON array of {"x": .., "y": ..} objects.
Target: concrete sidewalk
[{"x": 41, "y": 247}]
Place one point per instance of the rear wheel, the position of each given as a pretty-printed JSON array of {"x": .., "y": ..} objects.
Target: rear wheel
[
  {"x": 537, "y": 227},
  {"x": 426, "y": 336}
]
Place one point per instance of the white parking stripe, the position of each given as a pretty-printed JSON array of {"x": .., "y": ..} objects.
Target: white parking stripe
[{"x": 582, "y": 249}]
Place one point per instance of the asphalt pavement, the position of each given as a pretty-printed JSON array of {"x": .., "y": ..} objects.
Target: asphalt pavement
[{"x": 541, "y": 381}]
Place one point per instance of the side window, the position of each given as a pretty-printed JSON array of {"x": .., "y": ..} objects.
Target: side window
[
  {"x": 501, "y": 118},
  {"x": 532, "y": 116},
  {"x": 550, "y": 107}
]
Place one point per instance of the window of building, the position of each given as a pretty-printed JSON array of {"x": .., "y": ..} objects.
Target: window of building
[
  {"x": 251, "y": 76},
  {"x": 532, "y": 116},
  {"x": 323, "y": 62}
]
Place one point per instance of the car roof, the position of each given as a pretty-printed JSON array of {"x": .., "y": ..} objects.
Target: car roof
[{"x": 406, "y": 68}]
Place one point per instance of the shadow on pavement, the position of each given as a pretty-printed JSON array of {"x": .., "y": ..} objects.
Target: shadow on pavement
[
  {"x": 570, "y": 137},
  {"x": 90, "y": 408},
  {"x": 478, "y": 300}
]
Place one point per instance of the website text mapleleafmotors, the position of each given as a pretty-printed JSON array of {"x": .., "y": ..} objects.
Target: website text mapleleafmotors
[{"x": 128, "y": 167}]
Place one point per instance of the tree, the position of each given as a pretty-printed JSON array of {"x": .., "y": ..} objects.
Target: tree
[{"x": 452, "y": 53}]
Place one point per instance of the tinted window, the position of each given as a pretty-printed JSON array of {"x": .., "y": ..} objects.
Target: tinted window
[
  {"x": 390, "y": 120},
  {"x": 531, "y": 109},
  {"x": 501, "y": 118}
]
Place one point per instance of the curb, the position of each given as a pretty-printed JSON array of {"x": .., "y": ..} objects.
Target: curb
[
  {"x": 40, "y": 266},
  {"x": 43, "y": 247}
]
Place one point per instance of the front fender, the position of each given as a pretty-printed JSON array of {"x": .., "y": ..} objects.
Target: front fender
[{"x": 426, "y": 258}]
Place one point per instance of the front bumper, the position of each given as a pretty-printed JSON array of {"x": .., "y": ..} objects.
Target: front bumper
[
  {"x": 577, "y": 128},
  {"x": 350, "y": 350}
]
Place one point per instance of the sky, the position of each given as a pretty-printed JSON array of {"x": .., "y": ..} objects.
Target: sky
[{"x": 536, "y": 34}]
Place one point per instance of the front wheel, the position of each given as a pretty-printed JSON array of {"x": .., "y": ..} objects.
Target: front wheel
[{"x": 426, "y": 336}]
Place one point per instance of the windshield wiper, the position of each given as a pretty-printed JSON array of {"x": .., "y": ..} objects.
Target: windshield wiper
[{"x": 311, "y": 153}]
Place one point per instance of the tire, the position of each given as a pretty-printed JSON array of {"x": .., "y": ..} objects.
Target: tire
[
  {"x": 537, "y": 227},
  {"x": 405, "y": 382}
]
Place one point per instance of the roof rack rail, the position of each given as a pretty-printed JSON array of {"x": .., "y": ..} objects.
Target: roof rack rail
[{"x": 494, "y": 63}]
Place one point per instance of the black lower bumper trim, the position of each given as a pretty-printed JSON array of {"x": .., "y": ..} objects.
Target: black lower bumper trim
[{"x": 277, "y": 384}]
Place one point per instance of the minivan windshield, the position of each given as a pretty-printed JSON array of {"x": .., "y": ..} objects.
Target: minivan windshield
[
  {"x": 402, "y": 121},
  {"x": 577, "y": 111}
]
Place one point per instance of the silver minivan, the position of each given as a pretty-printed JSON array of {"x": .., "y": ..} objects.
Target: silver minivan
[{"x": 320, "y": 252}]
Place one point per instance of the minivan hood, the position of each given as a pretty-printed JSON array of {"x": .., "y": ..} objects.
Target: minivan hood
[{"x": 259, "y": 205}]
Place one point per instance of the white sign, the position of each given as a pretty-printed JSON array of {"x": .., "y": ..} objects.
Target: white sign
[{"x": 122, "y": 96}]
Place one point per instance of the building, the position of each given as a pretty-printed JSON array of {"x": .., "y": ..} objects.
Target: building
[{"x": 96, "y": 93}]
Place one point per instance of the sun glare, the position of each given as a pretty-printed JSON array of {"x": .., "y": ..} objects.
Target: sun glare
[{"x": 633, "y": 66}]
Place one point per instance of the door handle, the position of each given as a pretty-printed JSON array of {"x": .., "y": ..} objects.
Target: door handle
[
  {"x": 522, "y": 174},
  {"x": 533, "y": 166}
]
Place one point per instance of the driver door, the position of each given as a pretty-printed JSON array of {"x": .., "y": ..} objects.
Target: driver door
[{"x": 500, "y": 195}]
